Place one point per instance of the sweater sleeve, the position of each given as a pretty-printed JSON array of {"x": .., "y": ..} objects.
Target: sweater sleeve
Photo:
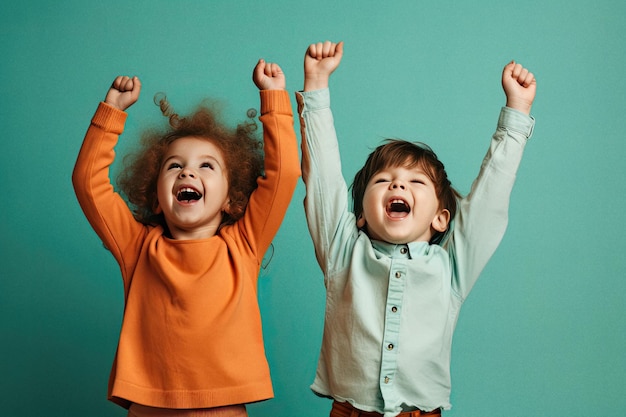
[
  {"x": 482, "y": 215},
  {"x": 269, "y": 202},
  {"x": 105, "y": 210}
]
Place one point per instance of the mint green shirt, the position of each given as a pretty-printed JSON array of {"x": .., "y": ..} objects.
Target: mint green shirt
[{"x": 391, "y": 309}]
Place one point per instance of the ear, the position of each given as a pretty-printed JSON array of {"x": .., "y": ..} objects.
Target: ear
[
  {"x": 360, "y": 223},
  {"x": 226, "y": 206},
  {"x": 441, "y": 221}
]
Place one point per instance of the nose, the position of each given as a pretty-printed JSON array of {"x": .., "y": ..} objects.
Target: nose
[
  {"x": 186, "y": 172},
  {"x": 395, "y": 184}
]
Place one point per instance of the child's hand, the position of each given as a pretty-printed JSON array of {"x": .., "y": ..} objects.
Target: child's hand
[
  {"x": 268, "y": 76},
  {"x": 519, "y": 86},
  {"x": 321, "y": 60},
  {"x": 124, "y": 92}
]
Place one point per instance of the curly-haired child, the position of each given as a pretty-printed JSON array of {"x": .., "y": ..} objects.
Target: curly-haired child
[{"x": 204, "y": 207}]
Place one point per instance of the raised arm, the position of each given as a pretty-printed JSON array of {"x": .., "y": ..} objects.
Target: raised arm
[
  {"x": 482, "y": 218},
  {"x": 269, "y": 202},
  {"x": 106, "y": 211},
  {"x": 331, "y": 224},
  {"x": 320, "y": 61}
]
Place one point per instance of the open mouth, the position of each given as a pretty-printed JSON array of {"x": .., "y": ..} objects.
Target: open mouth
[
  {"x": 188, "y": 194},
  {"x": 398, "y": 208}
]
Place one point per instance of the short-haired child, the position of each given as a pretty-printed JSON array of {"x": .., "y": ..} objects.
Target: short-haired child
[{"x": 398, "y": 268}]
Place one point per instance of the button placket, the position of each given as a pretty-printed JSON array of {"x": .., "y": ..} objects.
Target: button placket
[{"x": 395, "y": 291}]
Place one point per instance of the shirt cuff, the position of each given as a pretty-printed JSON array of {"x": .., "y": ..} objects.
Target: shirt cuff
[
  {"x": 313, "y": 100},
  {"x": 512, "y": 119}
]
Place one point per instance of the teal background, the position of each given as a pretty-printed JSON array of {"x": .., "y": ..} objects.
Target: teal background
[{"x": 543, "y": 331}]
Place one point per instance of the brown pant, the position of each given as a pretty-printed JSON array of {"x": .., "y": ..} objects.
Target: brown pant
[
  {"x": 346, "y": 409},
  {"x": 138, "y": 410}
]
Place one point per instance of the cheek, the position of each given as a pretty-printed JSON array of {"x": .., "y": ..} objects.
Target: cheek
[
  {"x": 371, "y": 198},
  {"x": 225, "y": 185},
  {"x": 369, "y": 207},
  {"x": 161, "y": 187}
]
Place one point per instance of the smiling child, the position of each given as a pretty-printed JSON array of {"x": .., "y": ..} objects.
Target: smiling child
[
  {"x": 204, "y": 207},
  {"x": 399, "y": 267}
]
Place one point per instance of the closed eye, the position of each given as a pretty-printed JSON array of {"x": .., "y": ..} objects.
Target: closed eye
[
  {"x": 206, "y": 165},
  {"x": 380, "y": 180},
  {"x": 174, "y": 165}
]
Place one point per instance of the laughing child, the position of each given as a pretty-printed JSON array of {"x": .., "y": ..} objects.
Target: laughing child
[
  {"x": 398, "y": 268},
  {"x": 204, "y": 207}
]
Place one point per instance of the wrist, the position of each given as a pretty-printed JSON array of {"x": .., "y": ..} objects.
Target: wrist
[
  {"x": 519, "y": 105},
  {"x": 315, "y": 82},
  {"x": 114, "y": 105}
]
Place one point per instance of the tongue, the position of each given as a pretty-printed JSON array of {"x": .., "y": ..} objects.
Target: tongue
[{"x": 396, "y": 214}]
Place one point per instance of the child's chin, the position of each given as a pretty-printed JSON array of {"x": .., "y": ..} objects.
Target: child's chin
[{"x": 397, "y": 239}]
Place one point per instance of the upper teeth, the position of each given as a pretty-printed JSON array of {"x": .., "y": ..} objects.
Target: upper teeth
[{"x": 188, "y": 193}]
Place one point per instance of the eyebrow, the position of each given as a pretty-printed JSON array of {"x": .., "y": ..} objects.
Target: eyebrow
[
  {"x": 415, "y": 169},
  {"x": 417, "y": 172},
  {"x": 201, "y": 157}
]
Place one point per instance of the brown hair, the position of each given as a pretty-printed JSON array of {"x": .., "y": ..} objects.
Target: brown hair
[
  {"x": 240, "y": 147},
  {"x": 396, "y": 152}
]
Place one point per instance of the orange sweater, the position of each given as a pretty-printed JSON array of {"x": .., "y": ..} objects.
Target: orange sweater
[{"x": 191, "y": 335}]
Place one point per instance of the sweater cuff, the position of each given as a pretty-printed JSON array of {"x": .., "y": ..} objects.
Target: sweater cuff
[
  {"x": 109, "y": 118},
  {"x": 275, "y": 101}
]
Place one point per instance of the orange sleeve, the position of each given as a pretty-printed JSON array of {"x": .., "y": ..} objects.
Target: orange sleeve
[
  {"x": 269, "y": 202},
  {"x": 105, "y": 210}
]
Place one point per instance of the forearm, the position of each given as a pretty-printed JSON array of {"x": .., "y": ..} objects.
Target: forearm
[
  {"x": 269, "y": 202},
  {"x": 91, "y": 171},
  {"x": 483, "y": 215},
  {"x": 105, "y": 210},
  {"x": 321, "y": 162},
  {"x": 326, "y": 202}
]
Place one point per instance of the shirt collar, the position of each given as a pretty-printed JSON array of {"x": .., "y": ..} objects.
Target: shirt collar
[{"x": 409, "y": 250}]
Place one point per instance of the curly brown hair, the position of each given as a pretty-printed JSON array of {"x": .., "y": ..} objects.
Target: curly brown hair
[
  {"x": 397, "y": 152},
  {"x": 240, "y": 147}
]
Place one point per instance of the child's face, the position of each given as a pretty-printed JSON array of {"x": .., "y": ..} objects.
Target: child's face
[
  {"x": 192, "y": 188},
  {"x": 400, "y": 205}
]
